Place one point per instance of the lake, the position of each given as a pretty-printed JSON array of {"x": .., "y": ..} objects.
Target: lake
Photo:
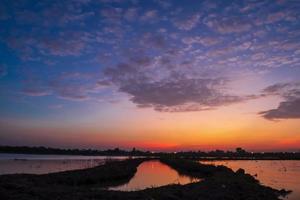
[
  {"x": 279, "y": 174},
  {"x": 41, "y": 164},
  {"x": 153, "y": 174}
]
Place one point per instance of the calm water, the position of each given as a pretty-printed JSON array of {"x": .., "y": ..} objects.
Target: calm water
[
  {"x": 153, "y": 174},
  {"x": 41, "y": 164},
  {"x": 276, "y": 174}
]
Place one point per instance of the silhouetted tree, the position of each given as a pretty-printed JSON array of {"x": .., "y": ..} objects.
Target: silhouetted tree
[{"x": 239, "y": 150}]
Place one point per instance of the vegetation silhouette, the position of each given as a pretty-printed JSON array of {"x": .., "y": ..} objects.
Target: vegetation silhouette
[{"x": 239, "y": 154}]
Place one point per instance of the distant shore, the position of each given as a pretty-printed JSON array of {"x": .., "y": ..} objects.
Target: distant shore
[{"x": 239, "y": 154}]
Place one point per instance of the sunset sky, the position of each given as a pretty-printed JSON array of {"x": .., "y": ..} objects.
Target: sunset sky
[{"x": 152, "y": 74}]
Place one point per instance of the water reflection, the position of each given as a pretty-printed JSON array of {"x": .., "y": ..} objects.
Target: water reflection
[
  {"x": 153, "y": 174},
  {"x": 44, "y": 166},
  {"x": 41, "y": 164},
  {"x": 277, "y": 174}
]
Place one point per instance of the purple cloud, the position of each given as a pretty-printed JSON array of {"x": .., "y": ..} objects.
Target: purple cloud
[
  {"x": 164, "y": 3},
  {"x": 276, "y": 17},
  {"x": 36, "y": 91},
  {"x": 149, "y": 15},
  {"x": 205, "y": 41},
  {"x": 289, "y": 108},
  {"x": 226, "y": 25},
  {"x": 187, "y": 23},
  {"x": 179, "y": 95},
  {"x": 174, "y": 93},
  {"x": 131, "y": 14},
  {"x": 61, "y": 47},
  {"x": 113, "y": 15},
  {"x": 33, "y": 85},
  {"x": 74, "y": 86},
  {"x": 70, "y": 86},
  {"x": 288, "y": 89},
  {"x": 63, "y": 44},
  {"x": 153, "y": 40}
]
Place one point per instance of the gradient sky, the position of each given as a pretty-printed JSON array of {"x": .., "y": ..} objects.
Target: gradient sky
[{"x": 155, "y": 75}]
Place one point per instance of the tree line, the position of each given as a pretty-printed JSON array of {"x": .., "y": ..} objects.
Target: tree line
[{"x": 239, "y": 153}]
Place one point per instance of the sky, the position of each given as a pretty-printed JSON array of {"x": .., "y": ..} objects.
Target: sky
[{"x": 152, "y": 74}]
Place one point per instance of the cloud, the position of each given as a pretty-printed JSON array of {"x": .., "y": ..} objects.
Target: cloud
[
  {"x": 53, "y": 14},
  {"x": 164, "y": 3},
  {"x": 33, "y": 85},
  {"x": 149, "y": 15},
  {"x": 71, "y": 86},
  {"x": 63, "y": 44},
  {"x": 111, "y": 1},
  {"x": 112, "y": 13},
  {"x": 271, "y": 18},
  {"x": 170, "y": 93},
  {"x": 289, "y": 108},
  {"x": 205, "y": 41},
  {"x": 131, "y": 14},
  {"x": 226, "y": 25},
  {"x": 178, "y": 95},
  {"x": 288, "y": 89},
  {"x": 187, "y": 23},
  {"x": 36, "y": 91},
  {"x": 277, "y": 88},
  {"x": 71, "y": 92},
  {"x": 77, "y": 17},
  {"x": 153, "y": 40}
]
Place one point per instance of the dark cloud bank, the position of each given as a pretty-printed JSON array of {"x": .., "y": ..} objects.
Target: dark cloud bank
[
  {"x": 287, "y": 109},
  {"x": 170, "y": 91}
]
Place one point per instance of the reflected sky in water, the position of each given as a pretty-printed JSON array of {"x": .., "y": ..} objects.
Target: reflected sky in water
[
  {"x": 42, "y": 164},
  {"x": 153, "y": 174}
]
